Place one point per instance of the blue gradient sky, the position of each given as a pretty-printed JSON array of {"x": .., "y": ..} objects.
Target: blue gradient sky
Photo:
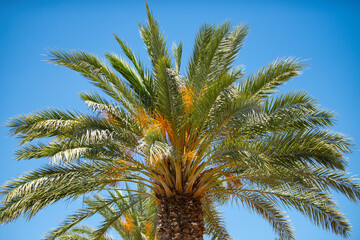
[{"x": 327, "y": 33}]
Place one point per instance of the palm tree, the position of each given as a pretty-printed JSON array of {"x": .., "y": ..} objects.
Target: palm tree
[
  {"x": 133, "y": 217},
  {"x": 203, "y": 137}
]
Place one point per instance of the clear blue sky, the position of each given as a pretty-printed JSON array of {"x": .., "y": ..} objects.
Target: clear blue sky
[{"x": 325, "y": 32}]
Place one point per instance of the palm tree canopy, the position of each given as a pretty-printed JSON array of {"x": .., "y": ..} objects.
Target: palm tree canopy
[{"x": 209, "y": 132}]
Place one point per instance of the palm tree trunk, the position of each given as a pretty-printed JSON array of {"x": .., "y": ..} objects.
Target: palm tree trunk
[{"x": 180, "y": 217}]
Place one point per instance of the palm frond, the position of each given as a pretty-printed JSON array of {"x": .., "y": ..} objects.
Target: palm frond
[
  {"x": 177, "y": 52},
  {"x": 268, "y": 210},
  {"x": 263, "y": 83},
  {"x": 153, "y": 38},
  {"x": 214, "y": 223}
]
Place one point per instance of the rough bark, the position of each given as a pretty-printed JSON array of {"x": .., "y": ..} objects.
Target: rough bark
[{"x": 180, "y": 217}]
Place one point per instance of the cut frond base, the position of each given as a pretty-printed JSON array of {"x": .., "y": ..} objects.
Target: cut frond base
[{"x": 180, "y": 217}]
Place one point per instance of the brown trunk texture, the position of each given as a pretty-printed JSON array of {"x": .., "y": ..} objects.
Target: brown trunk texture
[{"x": 180, "y": 217}]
